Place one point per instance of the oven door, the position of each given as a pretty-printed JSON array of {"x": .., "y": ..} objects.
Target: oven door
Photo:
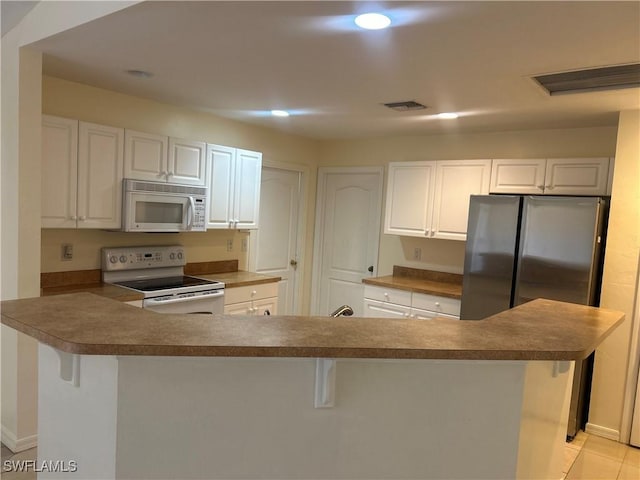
[
  {"x": 151, "y": 212},
  {"x": 209, "y": 302}
]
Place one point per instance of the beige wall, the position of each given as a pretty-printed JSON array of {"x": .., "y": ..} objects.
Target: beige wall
[
  {"x": 619, "y": 280},
  {"x": 448, "y": 255},
  {"x": 74, "y": 100}
]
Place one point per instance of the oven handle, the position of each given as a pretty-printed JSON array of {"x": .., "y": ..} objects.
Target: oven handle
[{"x": 155, "y": 301}]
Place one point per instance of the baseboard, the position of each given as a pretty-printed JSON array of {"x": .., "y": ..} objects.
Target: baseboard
[
  {"x": 600, "y": 431},
  {"x": 18, "y": 444}
]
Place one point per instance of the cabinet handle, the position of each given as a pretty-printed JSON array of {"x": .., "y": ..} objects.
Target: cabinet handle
[
  {"x": 169, "y": 174},
  {"x": 253, "y": 293},
  {"x": 73, "y": 217},
  {"x": 540, "y": 187},
  {"x": 267, "y": 312},
  {"x": 437, "y": 304},
  {"x": 82, "y": 218}
]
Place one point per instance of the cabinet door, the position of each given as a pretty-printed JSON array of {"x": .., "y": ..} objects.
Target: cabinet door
[
  {"x": 220, "y": 182},
  {"x": 376, "y": 309},
  {"x": 100, "y": 173},
  {"x": 518, "y": 176},
  {"x": 409, "y": 198},
  {"x": 246, "y": 207},
  {"x": 187, "y": 160},
  {"x": 576, "y": 176},
  {"x": 59, "y": 172},
  {"x": 145, "y": 156},
  {"x": 456, "y": 181}
]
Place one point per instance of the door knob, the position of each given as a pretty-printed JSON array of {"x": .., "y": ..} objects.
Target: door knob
[
  {"x": 370, "y": 269},
  {"x": 293, "y": 263}
]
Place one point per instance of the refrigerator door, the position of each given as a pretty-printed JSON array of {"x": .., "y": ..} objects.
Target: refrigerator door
[
  {"x": 492, "y": 234},
  {"x": 559, "y": 248}
]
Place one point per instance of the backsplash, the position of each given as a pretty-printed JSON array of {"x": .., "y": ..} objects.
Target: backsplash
[{"x": 199, "y": 246}]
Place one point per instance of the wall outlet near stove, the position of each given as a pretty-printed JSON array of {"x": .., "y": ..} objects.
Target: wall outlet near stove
[
  {"x": 244, "y": 245},
  {"x": 230, "y": 245},
  {"x": 66, "y": 253},
  {"x": 417, "y": 253}
]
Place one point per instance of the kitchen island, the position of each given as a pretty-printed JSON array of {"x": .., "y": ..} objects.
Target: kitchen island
[{"x": 128, "y": 393}]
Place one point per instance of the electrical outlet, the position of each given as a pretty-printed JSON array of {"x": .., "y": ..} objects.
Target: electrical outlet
[
  {"x": 67, "y": 252},
  {"x": 417, "y": 253},
  {"x": 230, "y": 245},
  {"x": 245, "y": 242}
]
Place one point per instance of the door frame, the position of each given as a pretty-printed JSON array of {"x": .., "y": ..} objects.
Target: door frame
[
  {"x": 631, "y": 403},
  {"x": 323, "y": 172},
  {"x": 252, "y": 261}
]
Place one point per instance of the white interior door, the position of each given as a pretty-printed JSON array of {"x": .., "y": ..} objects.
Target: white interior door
[
  {"x": 275, "y": 243},
  {"x": 348, "y": 212}
]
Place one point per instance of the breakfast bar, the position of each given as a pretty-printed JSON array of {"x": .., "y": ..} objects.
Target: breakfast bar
[{"x": 129, "y": 393}]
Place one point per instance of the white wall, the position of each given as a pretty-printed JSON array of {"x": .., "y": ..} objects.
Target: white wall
[{"x": 611, "y": 371}]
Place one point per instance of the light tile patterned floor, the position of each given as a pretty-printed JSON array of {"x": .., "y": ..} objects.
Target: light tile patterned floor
[
  {"x": 587, "y": 457},
  {"x": 590, "y": 457}
]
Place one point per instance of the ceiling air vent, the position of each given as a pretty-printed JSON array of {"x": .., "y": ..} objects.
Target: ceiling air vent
[
  {"x": 405, "y": 106},
  {"x": 605, "y": 78}
]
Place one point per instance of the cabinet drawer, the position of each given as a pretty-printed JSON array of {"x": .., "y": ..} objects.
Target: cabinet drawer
[
  {"x": 391, "y": 295},
  {"x": 375, "y": 309},
  {"x": 250, "y": 292},
  {"x": 450, "y": 306}
]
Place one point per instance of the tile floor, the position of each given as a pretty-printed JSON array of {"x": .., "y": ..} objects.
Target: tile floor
[{"x": 587, "y": 457}]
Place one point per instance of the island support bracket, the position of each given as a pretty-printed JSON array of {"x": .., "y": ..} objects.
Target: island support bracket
[
  {"x": 325, "y": 393},
  {"x": 69, "y": 367}
]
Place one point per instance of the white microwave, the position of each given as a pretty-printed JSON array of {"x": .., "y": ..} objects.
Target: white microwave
[{"x": 163, "y": 207}]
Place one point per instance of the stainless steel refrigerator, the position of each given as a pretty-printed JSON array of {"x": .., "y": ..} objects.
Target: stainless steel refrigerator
[{"x": 524, "y": 247}]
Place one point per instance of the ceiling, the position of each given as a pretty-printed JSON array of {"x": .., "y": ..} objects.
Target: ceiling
[{"x": 242, "y": 59}]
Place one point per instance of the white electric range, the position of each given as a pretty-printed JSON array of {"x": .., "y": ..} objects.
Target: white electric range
[{"x": 158, "y": 273}]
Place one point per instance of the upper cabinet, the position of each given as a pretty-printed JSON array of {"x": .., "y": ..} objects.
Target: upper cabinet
[
  {"x": 409, "y": 206},
  {"x": 554, "y": 176},
  {"x": 234, "y": 187},
  {"x": 158, "y": 158},
  {"x": 82, "y": 171},
  {"x": 431, "y": 199}
]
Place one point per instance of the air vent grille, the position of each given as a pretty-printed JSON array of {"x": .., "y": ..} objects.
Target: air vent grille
[
  {"x": 405, "y": 106},
  {"x": 594, "y": 79},
  {"x": 141, "y": 186}
]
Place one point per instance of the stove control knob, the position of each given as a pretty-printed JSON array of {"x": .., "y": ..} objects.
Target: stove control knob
[
  {"x": 179, "y": 255},
  {"x": 123, "y": 259},
  {"x": 113, "y": 259},
  {"x": 172, "y": 256}
]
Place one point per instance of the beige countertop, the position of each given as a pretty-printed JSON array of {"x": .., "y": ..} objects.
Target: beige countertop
[
  {"x": 420, "y": 281},
  {"x": 85, "y": 323}
]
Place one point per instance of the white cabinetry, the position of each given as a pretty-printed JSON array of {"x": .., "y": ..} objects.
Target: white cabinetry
[
  {"x": 431, "y": 198},
  {"x": 380, "y": 302},
  {"x": 234, "y": 187},
  {"x": 82, "y": 171},
  {"x": 158, "y": 158},
  {"x": 552, "y": 176},
  {"x": 252, "y": 299}
]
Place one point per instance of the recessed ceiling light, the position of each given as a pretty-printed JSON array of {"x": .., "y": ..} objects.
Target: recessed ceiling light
[
  {"x": 373, "y": 21},
  {"x": 140, "y": 73},
  {"x": 448, "y": 115},
  {"x": 279, "y": 113}
]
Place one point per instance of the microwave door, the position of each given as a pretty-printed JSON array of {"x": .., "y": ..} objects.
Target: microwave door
[{"x": 148, "y": 212}]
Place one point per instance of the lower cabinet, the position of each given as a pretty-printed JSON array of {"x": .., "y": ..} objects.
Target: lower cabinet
[
  {"x": 380, "y": 302},
  {"x": 251, "y": 299}
]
